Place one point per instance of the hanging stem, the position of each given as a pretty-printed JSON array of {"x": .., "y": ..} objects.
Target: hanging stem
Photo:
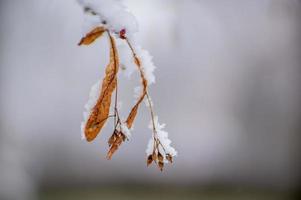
[
  {"x": 116, "y": 115},
  {"x": 146, "y": 92},
  {"x": 155, "y": 135},
  {"x": 115, "y": 106}
]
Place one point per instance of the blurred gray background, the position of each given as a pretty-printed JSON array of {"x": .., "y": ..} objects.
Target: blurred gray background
[{"x": 228, "y": 88}]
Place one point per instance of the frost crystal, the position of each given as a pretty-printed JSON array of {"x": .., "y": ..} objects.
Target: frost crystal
[
  {"x": 147, "y": 64},
  {"x": 163, "y": 138},
  {"x": 125, "y": 130},
  {"x": 150, "y": 146},
  {"x": 128, "y": 64}
]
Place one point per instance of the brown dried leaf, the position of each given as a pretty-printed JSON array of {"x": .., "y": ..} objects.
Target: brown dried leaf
[
  {"x": 100, "y": 112},
  {"x": 149, "y": 160},
  {"x": 92, "y": 36},
  {"x": 133, "y": 113}
]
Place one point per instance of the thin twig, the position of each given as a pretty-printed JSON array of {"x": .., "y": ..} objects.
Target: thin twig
[
  {"x": 156, "y": 139},
  {"x": 147, "y": 95},
  {"x": 116, "y": 117}
]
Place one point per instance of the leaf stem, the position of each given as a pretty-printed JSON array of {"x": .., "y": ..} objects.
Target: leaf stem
[
  {"x": 147, "y": 95},
  {"x": 155, "y": 134},
  {"x": 116, "y": 115}
]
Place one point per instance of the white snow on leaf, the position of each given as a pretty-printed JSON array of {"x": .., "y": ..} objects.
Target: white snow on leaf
[
  {"x": 125, "y": 130},
  {"x": 93, "y": 97}
]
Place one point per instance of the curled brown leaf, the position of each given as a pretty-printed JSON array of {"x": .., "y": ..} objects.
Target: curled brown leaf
[
  {"x": 92, "y": 36},
  {"x": 100, "y": 112},
  {"x": 131, "y": 117}
]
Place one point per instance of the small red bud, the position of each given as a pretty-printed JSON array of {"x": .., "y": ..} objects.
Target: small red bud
[{"x": 122, "y": 34}]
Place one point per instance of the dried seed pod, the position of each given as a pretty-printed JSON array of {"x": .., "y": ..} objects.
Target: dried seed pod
[
  {"x": 123, "y": 137},
  {"x": 112, "y": 150},
  {"x": 154, "y": 155},
  {"x": 114, "y": 142},
  {"x": 149, "y": 160},
  {"x": 112, "y": 138},
  {"x": 119, "y": 140},
  {"x": 160, "y": 165},
  {"x": 169, "y": 158},
  {"x": 160, "y": 157}
]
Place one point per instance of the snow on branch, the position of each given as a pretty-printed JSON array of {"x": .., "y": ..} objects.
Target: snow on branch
[
  {"x": 111, "y": 14},
  {"x": 114, "y": 19}
]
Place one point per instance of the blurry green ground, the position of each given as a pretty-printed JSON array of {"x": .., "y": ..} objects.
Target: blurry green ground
[{"x": 166, "y": 193}]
